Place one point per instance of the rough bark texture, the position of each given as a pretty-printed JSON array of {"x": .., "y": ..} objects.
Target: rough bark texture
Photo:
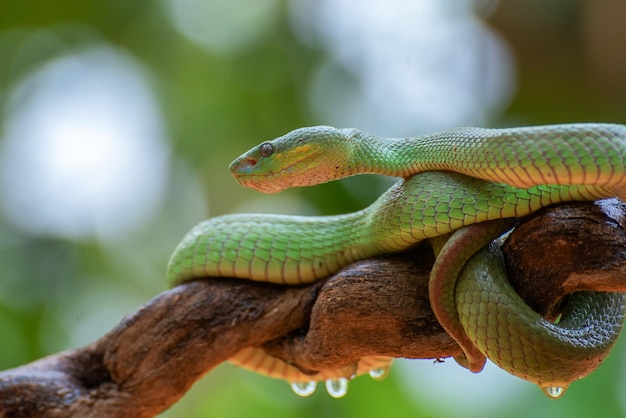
[{"x": 375, "y": 307}]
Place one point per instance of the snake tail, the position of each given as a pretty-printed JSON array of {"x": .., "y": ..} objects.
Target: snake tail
[{"x": 523, "y": 343}]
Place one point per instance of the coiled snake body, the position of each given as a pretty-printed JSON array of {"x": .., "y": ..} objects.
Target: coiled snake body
[{"x": 467, "y": 176}]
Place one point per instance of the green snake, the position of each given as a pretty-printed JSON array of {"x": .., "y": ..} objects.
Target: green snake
[{"x": 453, "y": 182}]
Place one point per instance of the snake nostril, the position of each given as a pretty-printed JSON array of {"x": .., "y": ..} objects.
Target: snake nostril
[{"x": 251, "y": 161}]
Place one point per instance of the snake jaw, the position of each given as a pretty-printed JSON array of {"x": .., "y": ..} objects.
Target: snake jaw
[
  {"x": 244, "y": 175},
  {"x": 260, "y": 185}
]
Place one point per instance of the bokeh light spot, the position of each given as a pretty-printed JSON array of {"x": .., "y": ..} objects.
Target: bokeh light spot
[{"x": 83, "y": 153}]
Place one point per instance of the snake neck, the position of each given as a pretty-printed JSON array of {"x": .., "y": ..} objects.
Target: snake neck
[
  {"x": 456, "y": 149},
  {"x": 396, "y": 157}
]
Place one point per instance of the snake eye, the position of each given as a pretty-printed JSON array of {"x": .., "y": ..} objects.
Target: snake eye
[{"x": 266, "y": 149}]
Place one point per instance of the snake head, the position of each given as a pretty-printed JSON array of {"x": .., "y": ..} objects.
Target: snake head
[{"x": 303, "y": 157}]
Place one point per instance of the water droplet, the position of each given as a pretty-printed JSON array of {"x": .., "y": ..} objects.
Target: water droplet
[
  {"x": 554, "y": 392},
  {"x": 304, "y": 389},
  {"x": 379, "y": 373},
  {"x": 337, "y": 388}
]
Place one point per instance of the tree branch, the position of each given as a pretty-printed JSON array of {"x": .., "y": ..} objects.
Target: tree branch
[{"x": 374, "y": 307}]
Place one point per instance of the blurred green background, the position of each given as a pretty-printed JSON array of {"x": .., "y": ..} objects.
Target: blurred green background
[{"x": 118, "y": 120}]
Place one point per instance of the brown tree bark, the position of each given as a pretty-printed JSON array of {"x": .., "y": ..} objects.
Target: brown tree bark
[{"x": 374, "y": 307}]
